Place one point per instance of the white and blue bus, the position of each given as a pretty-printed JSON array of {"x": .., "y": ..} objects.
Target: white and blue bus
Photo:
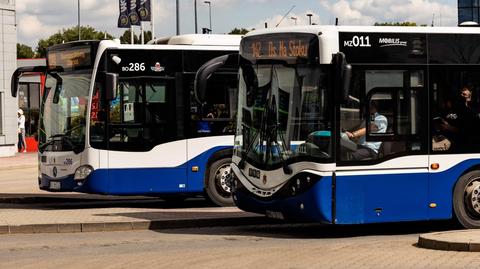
[
  {"x": 123, "y": 119},
  {"x": 349, "y": 125}
]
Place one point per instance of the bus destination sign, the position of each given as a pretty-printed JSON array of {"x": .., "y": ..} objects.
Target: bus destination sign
[
  {"x": 280, "y": 47},
  {"x": 70, "y": 58}
]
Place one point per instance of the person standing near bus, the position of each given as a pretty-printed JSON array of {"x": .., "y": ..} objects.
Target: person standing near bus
[{"x": 22, "y": 145}]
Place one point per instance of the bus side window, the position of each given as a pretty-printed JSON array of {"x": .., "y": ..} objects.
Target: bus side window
[
  {"x": 216, "y": 115},
  {"x": 455, "y": 119},
  {"x": 392, "y": 113}
]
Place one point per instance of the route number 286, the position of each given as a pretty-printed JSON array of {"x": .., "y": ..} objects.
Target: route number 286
[{"x": 134, "y": 67}]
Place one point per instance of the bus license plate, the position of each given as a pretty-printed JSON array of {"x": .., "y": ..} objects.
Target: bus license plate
[
  {"x": 54, "y": 185},
  {"x": 274, "y": 215}
]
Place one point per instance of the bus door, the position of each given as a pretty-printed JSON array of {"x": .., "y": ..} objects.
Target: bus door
[
  {"x": 146, "y": 146},
  {"x": 213, "y": 102},
  {"x": 382, "y": 165}
]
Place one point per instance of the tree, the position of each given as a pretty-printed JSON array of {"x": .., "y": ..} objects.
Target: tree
[
  {"x": 24, "y": 51},
  {"x": 405, "y": 23},
  {"x": 70, "y": 34},
  {"x": 237, "y": 31},
  {"x": 125, "y": 38}
]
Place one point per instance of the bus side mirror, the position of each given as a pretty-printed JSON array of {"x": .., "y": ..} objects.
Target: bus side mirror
[
  {"x": 19, "y": 72},
  {"x": 343, "y": 76},
  {"x": 111, "y": 84},
  {"x": 204, "y": 73},
  {"x": 14, "y": 83}
]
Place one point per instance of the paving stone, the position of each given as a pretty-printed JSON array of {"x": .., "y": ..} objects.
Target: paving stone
[
  {"x": 4, "y": 229},
  {"x": 45, "y": 228},
  {"x": 93, "y": 227},
  {"x": 118, "y": 226},
  {"x": 69, "y": 228},
  {"x": 22, "y": 229}
]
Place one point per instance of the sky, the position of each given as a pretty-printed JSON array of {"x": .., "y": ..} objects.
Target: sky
[{"x": 38, "y": 19}]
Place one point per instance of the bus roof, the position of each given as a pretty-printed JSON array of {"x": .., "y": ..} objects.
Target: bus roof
[
  {"x": 316, "y": 29},
  {"x": 199, "y": 40}
]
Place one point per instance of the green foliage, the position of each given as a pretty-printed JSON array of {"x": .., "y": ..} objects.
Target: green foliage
[
  {"x": 24, "y": 51},
  {"x": 70, "y": 34},
  {"x": 237, "y": 31},
  {"x": 125, "y": 38},
  {"x": 405, "y": 23}
]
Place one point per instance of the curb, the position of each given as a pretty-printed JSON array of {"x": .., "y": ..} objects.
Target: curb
[
  {"x": 60, "y": 198},
  {"x": 438, "y": 241},
  {"x": 131, "y": 225}
]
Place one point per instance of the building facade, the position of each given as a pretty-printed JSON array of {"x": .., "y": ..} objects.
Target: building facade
[
  {"x": 8, "y": 64},
  {"x": 468, "y": 11}
]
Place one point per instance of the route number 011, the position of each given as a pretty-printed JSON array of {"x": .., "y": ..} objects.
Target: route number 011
[{"x": 358, "y": 41}]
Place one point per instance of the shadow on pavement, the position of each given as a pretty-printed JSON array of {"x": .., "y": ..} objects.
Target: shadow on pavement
[
  {"x": 90, "y": 201},
  {"x": 193, "y": 214},
  {"x": 319, "y": 231}
]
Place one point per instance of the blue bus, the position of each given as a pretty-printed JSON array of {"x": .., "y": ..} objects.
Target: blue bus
[
  {"x": 351, "y": 125},
  {"x": 124, "y": 120}
]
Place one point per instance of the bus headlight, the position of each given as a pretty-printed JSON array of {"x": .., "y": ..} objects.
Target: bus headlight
[{"x": 82, "y": 172}]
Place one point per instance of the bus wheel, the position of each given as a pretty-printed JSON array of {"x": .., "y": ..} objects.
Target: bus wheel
[
  {"x": 218, "y": 184},
  {"x": 466, "y": 200}
]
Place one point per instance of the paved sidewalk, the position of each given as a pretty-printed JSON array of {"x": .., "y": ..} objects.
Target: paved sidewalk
[
  {"x": 44, "y": 220},
  {"x": 462, "y": 240},
  {"x": 20, "y": 160},
  {"x": 24, "y": 208}
]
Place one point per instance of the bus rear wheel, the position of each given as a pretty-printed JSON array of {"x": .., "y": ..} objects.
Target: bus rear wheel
[
  {"x": 466, "y": 200},
  {"x": 218, "y": 183}
]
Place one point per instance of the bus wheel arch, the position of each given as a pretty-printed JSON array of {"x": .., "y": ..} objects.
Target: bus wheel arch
[
  {"x": 217, "y": 181},
  {"x": 466, "y": 199}
]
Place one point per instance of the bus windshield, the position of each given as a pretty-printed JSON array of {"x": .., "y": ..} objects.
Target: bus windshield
[
  {"x": 64, "y": 107},
  {"x": 283, "y": 114}
]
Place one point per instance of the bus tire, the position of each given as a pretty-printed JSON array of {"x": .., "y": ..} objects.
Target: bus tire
[
  {"x": 466, "y": 200},
  {"x": 218, "y": 182}
]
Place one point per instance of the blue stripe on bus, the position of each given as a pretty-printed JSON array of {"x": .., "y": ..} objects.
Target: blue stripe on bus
[
  {"x": 144, "y": 181},
  {"x": 370, "y": 198}
]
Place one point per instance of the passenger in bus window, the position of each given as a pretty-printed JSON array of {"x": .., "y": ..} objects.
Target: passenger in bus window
[
  {"x": 460, "y": 123},
  {"x": 445, "y": 128},
  {"x": 369, "y": 150},
  {"x": 470, "y": 122}
]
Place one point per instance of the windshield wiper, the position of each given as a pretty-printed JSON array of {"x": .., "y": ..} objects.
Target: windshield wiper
[{"x": 274, "y": 133}]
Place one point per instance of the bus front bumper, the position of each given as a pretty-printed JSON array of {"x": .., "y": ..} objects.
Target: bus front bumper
[
  {"x": 314, "y": 205},
  {"x": 63, "y": 184}
]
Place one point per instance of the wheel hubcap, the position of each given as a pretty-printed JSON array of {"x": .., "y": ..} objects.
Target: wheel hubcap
[
  {"x": 223, "y": 178},
  {"x": 472, "y": 197}
]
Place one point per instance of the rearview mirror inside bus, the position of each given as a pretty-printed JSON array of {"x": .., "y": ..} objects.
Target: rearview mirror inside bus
[
  {"x": 111, "y": 83},
  {"x": 347, "y": 76}
]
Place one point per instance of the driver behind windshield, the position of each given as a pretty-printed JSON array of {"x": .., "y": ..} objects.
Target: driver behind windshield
[{"x": 369, "y": 150}]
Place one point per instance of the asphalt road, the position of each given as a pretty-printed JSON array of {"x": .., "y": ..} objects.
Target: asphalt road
[
  {"x": 261, "y": 246},
  {"x": 267, "y": 246}
]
